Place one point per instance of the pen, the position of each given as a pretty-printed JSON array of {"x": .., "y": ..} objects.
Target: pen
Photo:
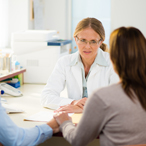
[{"x": 2, "y": 92}]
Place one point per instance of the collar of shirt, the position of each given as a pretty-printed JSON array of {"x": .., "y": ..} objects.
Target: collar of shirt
[{"x": 100, "y": 60}]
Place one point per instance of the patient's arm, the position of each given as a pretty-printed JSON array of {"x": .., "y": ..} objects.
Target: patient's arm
[{"x": 54, "y": 125}]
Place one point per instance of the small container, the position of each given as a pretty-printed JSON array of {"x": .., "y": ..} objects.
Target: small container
[{"x": 17, "y": 65}]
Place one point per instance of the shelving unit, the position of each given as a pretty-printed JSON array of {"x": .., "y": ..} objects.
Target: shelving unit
[{"x": 12, "y": 74}]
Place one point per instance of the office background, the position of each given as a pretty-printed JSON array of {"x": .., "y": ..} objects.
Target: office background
[{"x": 63, "y": 15}]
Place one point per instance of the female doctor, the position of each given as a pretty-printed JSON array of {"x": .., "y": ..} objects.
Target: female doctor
[{"x": 81, "y": 72}]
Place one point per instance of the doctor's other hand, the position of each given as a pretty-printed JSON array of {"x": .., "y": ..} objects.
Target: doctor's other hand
[
  {"x": 54, "y": 125},
  {"x": 80, "y": 102},
  {"x": 69, "y": 108},
  {"x": 62, "y": 117}
]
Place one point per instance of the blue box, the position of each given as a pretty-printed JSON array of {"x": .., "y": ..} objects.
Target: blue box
[{"x": 15, "y": 85}]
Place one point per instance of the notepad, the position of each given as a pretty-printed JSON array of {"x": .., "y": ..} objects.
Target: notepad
[{"x": 42, "y": 116}]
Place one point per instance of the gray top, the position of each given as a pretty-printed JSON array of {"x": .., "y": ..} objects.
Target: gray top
[{"x": 112, "y": 115}]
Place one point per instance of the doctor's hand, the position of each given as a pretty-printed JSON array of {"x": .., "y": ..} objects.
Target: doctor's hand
[
  {"x": 54, "y": 125},
  {"x": 62, "y": 117},
  {"x": 80, "y": 102},
  {"x": 69, "y": 109}
]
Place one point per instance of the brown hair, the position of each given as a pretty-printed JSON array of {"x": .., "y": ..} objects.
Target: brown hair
[
  {"x": 96, "y": 25},
  {"x": 128, "y": 54}
]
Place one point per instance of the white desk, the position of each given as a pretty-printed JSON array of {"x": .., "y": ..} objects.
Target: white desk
[{"x": 30, "y": 103}]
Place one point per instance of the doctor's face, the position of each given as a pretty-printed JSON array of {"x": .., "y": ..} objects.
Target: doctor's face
[{"x": 88, "y": 42}]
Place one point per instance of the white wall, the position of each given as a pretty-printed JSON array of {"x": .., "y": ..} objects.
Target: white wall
[
  {"x": 128, "y": 13},
  {"x": 19, "y": 16},
  {"x": 57, "y": 16}
]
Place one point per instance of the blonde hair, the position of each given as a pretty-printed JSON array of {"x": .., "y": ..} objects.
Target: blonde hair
[{"x": 96, "y": 25}]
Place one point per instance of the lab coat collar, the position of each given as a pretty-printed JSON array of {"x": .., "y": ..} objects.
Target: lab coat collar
[
  {"x": 100, "y": 60},
  {"x": 75, "y": 59}
]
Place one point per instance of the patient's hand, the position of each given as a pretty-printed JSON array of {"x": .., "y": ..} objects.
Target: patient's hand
[
  {"x": 69, "y": 108},
  {"x": 62, "y": 117},
  {"x": 80, "y": 102},
  {"x": 54, "y": 125}
]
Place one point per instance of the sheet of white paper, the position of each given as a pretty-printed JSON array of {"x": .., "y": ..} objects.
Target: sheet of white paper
[
  {"x": 42, "y": 116},
  {"x": 11, "y": 109},
  {"x": 55, "y": 103}
]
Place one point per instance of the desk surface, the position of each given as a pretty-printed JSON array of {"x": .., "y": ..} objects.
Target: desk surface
[{"x": 30, "y": 103}]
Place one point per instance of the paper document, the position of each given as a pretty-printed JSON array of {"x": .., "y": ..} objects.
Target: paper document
[
  {"x": 42, "y": 116},
  {"x": 11, "y": 109},
  {"x": 3, "y": 100},
  {"x": 55, "y": 103}
]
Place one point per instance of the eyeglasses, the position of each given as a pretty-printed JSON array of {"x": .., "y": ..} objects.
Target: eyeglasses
[{"x": 84, "y": 42}]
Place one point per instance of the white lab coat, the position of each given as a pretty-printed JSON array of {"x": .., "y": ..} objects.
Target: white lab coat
[{"x": 70, "y": 75}]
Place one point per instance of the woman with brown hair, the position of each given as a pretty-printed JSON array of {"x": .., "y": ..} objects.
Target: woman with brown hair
[
  {"x": 116, "y": 113},
  {"x": 82, "y": 72}
]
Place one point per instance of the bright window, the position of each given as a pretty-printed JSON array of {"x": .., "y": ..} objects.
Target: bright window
[
  {"x": 4, "y": 23},
  {"x": 100, "y": 9}
]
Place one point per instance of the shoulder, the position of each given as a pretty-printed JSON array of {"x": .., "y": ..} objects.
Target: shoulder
[
  {"x": 104, "y": 57},
  {"x": 109, "y": 94},
  {"x": 68, "y": 59},
  {"x": 105, "y": 54}
]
